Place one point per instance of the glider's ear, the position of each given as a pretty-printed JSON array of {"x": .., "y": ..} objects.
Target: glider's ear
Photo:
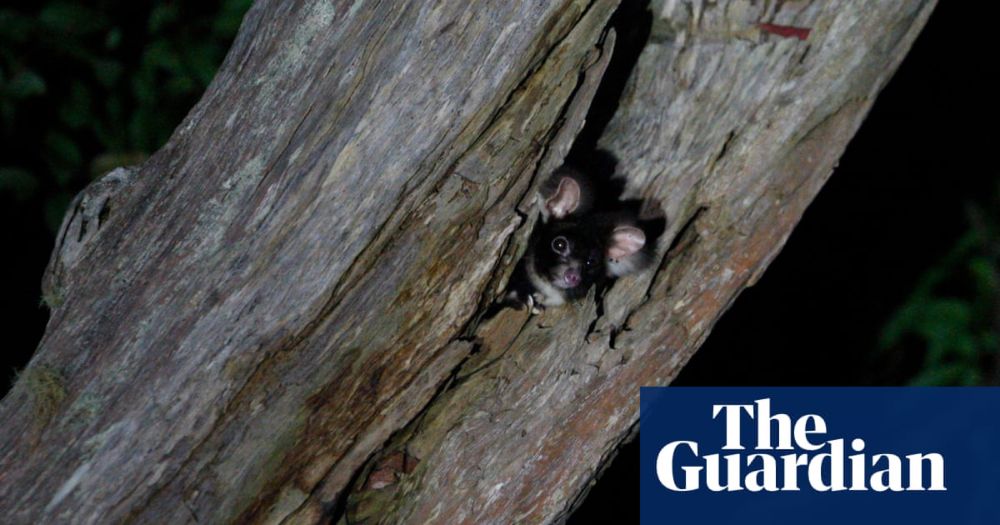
[
  {"x": 565, "y": 200},
  {"x": 625, "y": 241}
]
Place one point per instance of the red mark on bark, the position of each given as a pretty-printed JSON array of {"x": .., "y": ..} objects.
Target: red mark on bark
[
  {"x": 380, "y": 479},
  {"x": 389, "y": 469},
  {"x": 801, "y": 33}
]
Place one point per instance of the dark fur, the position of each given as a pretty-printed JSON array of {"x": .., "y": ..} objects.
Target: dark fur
[{"x": 593, "y": 233}]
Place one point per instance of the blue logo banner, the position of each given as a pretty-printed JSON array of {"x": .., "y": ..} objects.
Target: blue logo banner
[{"x": 819, "y": 455}]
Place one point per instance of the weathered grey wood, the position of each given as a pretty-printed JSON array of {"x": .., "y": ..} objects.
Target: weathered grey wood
[
  {"x": 281, "y": 304},
  {"x": 734, "y": 131}
]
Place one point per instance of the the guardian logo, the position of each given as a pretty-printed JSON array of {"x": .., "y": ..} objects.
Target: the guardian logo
[
  {"x": 819, "y": 455},
  {"x": 789, "y": 455}
]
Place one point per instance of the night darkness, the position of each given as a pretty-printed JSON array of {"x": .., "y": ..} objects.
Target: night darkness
[{"x": 893, "y": 208}]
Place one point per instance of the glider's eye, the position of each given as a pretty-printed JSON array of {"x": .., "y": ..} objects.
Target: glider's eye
[{"x": 560, "y": 245}]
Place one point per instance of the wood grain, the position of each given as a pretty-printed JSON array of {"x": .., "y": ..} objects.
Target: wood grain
[{"x": 284, "y": 300}]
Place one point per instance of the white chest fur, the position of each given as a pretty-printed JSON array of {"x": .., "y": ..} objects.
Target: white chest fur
[{"x": 545, "y": 293}]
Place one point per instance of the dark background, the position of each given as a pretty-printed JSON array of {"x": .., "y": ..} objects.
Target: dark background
[{"x": 891, "y": 278}]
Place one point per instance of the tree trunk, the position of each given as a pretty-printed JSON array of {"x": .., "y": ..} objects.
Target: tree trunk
[{"x": 277, "y": 317}]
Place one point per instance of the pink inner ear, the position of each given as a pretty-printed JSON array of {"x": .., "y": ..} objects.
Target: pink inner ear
[
  {"x": 625, "y": 241},
  {"x": 565, "y": 200}
]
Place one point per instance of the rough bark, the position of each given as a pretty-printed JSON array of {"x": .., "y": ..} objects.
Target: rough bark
[{"x": 276, "y": 318}]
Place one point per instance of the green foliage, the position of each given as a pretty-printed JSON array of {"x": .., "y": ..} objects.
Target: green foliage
[
  {"x": 955, "y": 310},
  {"x": 110, "y": 79},
  {"x": 18, "y": 183}
]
